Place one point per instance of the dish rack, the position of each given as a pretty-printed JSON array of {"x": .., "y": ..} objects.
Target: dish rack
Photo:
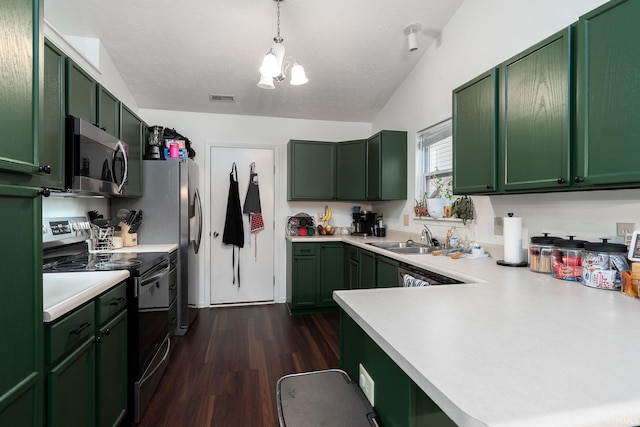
[{"x": 101, "y": 239}]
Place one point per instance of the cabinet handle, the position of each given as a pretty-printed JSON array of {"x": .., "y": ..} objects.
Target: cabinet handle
[
  {"x": 117, "y": 302},
  {"x": 489, "y": 187},
  {"x": 561, "y": 181},
  {"x": 305, "y": 250},
  {"x": 81, "y": 328},
  {"x": 97, "y": 339},
  {"x": 45, "y": 192},
  {"x": 578, "y": 179},
  {"x": 45, "y": 169},
  {"x": 107, "y": 332}
]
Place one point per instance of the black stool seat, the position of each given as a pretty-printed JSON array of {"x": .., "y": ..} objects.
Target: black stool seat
[{"x": 323, "y": 398}]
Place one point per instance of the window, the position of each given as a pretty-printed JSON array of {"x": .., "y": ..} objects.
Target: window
[{"x": 434, "y": 158}]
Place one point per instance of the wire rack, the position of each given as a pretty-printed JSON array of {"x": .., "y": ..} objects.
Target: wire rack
[{"x": 101, "y": 239}]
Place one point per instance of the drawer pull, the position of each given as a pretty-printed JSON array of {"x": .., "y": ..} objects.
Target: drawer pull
[
  {"x": 305, "y": 250},
  {"x": 107, "y": 332},
  {"x": 81, "y": 328},
  {"x": 117, "y": 301},
  {"x": 45, "y": 169}
]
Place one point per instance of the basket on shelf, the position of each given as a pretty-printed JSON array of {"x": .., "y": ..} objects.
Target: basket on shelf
[{"x": 300, "y": 224}]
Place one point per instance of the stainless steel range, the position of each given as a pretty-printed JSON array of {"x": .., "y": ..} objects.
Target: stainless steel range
[{"x": 65, "y": 250}]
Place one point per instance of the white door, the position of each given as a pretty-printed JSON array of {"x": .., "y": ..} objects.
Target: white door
[{"x": 256, "y": 257}]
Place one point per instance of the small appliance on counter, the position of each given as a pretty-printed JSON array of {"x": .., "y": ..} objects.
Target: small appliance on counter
[
  {"x": 364, "y": 223},
  {"x": 155, "y": 144}
]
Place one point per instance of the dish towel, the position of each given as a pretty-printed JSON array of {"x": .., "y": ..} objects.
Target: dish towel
[
  {"x": 253, "y": 208},
  {"x": 233, "y": 227}
]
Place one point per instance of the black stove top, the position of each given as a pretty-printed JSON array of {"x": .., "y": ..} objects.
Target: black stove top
[{"x": 136, "y": 262}]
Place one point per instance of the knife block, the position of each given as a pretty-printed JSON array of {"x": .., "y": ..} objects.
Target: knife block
[{"x": 128, "y": 239}]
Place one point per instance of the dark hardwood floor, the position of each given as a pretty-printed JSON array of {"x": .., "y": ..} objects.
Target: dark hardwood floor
[{"x": 224, "y": 371}]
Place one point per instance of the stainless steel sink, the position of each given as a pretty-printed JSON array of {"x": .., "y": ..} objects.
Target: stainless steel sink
[{"x": 406, "y": 247}]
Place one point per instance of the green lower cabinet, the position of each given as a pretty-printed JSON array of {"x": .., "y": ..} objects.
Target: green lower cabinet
[
  {"x": 386, "y": 272},
  {"x": 111, "y": 373},
  {"x": 367, "y": 269},
  {"x": 71, "y": 389},
  {"x": 87, "y": 365},
  {"x": 353, "y": 267},
  {"x": 314, "y": 271},
  {"x": 398, "y": 401}
]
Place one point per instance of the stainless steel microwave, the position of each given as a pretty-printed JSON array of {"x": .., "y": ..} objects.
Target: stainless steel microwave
[{"x": 96, "y": 162}]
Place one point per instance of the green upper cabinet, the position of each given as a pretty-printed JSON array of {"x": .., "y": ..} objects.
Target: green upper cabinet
[
  {"x": 351, "y": 170},
  {"x": 108, "y": 111},
  {"x": 386, "y": 166},
  {"x": 19, "y": 69},
  {"x": 535, "y": 114},
  {"x": 608, "y": 95},
  {"x": 311, "y": 170},
  {"x": 81, "y": 93},
  {"x": 475, "y": 137},
  {"x": 52, "y": 136},
  {"x": 132, "y": 134}
]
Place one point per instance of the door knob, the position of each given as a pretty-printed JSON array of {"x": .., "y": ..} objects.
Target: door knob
[{"x": 215, "y": 234}]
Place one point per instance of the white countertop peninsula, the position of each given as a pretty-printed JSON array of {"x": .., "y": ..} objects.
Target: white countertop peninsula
[{"x": 511, "y": 347}]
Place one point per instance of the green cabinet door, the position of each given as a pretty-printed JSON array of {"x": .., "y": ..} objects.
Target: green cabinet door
[
  {"x": 367, "y": 269},
  {"x": 386, "y": 166},
  {"x": 535, "y": 114},
  {"x": 332, "y": 262},
  {"x": 311, "y": 170},
  {"x": 475, "y": 137},
  {"x": 386, "y": 272},
  {"x": 71, "y": 389},
  {"x": 351, "y": 170},
  {"x": 305, "y": 273},
  {"x": 21, "y": 308},
  {"x": 19, "y": 64},
  {"x": 111, "y": 373},
  {"x": 80, "y": 100},
  {"x": 353, "y": 266},
  {"x": 131, "y": 133},
  {"x": 52, "y": 148},
  {"x": 108, "y": 111},
  {"x": 608, "y": 95}
]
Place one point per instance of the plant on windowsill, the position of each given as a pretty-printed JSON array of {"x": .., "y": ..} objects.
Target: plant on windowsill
[
  {"x": 420, "y": 209},
  {"x": 440, "y": 197}
]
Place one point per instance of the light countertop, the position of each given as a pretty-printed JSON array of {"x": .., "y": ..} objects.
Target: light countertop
[
  {"x": 509, "y": 348},
  {"x": 63, "y": 292}
]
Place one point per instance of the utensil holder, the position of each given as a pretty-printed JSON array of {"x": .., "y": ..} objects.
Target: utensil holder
[{"x": 101, "y": 239}]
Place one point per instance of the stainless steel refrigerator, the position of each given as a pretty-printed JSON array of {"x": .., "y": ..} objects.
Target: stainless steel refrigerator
[{"x": 172, "y": 213}]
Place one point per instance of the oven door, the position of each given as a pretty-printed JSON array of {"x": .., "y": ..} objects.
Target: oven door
[
  {"x": 98, "y": 162},
  {"x": 152, "y": 289}
]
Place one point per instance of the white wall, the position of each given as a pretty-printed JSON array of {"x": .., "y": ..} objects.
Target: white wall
[
  {"x": 482, "y": 34},
  {"x": 207, "y": 130}
]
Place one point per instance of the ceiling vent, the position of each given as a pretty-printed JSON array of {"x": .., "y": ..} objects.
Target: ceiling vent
[{"x": 222, "y": 98}]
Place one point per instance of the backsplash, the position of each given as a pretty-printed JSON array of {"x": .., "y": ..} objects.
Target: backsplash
[{"x": 55, "y": 206}]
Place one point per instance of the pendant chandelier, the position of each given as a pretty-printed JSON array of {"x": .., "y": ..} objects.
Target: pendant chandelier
[{"x": 275, "y": 65}]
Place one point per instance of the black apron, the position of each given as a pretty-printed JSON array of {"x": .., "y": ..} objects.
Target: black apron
[{"x": 233, "y": 229}]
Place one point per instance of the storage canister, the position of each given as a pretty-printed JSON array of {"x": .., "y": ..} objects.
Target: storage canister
[
  {"x": 540, "y": 252},
  {"x": 567, "y": 259},
  {"x": 602, "y": 264}
]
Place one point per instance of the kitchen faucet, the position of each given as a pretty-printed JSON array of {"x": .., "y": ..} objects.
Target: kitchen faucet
[{"x": 426, "y": 234}]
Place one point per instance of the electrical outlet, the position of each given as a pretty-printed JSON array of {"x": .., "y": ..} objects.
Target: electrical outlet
[
  {"x": 366, "y": 384},
  {"x": 406, "y": 219},
  {"x": 497, "y": 226},
  {"x": 623, "y": 228}
]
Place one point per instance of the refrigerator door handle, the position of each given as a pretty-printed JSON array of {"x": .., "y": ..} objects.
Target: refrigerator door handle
[{"x": 198, "y": 208}]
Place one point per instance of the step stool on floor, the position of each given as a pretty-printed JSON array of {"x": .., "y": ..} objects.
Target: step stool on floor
[{"x": 323, "y": 398}]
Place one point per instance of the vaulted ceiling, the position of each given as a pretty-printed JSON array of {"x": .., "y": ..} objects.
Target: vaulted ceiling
[{"x": 174, "y": 54}]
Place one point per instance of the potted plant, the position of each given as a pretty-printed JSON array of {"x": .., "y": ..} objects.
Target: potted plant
[
  {"x": 420, "y": 209},
  {"x": 440, "y": 197}
]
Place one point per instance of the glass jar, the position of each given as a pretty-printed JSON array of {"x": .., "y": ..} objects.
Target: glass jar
[
  {"x": 540, "y": 253},
  {"x": 603, "y": 264},
  {"x": 566, "y": 259}
]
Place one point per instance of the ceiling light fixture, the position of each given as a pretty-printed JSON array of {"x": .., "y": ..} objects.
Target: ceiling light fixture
[
  {"x": 275, "y": 65},
  {"x": 412, "y": 31}
]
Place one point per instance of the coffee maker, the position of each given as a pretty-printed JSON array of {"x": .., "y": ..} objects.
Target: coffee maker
[{"x": 364, "y": 223}]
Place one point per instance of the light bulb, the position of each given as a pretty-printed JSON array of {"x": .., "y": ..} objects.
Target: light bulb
[
  {"x": 266, "y": 82},
  {"x": 298, "y": 77}
]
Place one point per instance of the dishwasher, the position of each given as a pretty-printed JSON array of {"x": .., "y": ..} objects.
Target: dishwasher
[{"x": 411, "y": 276}]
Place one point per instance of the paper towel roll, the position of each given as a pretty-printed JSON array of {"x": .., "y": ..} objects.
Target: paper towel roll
[{"x": 512, "y": 233}]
